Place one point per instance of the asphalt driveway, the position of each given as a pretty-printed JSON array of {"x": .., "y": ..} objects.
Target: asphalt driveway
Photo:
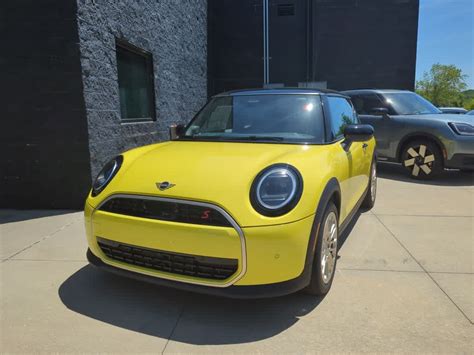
[{"x": 404, "y": 283}]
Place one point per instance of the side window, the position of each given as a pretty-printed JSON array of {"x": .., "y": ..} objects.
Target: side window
[
  {"x": 341, "y": 114},
  {"x": 364, "y": 104}
]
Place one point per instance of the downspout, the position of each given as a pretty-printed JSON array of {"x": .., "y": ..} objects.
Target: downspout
[
  {"x": 266, "y": 71},
  {"x": 308, "y": 39}
]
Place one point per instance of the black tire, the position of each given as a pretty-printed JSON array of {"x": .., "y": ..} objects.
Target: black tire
[
  {"x": 369, "y": 200},
  {"x": 319, "y": 284},
  {"x": 422, "y": 159}
]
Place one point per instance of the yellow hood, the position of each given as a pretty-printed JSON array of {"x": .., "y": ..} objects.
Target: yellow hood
[{"x": 220, "y": 173}]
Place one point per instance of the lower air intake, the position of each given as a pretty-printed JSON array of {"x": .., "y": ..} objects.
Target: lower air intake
[{"x": 183, "y": 264}]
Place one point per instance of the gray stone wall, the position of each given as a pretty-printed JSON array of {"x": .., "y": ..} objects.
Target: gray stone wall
[{"x": 175, "y": 32}]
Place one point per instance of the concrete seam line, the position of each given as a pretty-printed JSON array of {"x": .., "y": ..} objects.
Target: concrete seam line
[
  {"x": 423, "y": 215},
  {"x": 380, "y": 270},
  {"x": 426, "y": 272},
  {"x": 389, "y": 270},
  {"x": 40, "y": 240},
  {"x": 172, "y": 330},
  {"x": 51, "y": 260}
]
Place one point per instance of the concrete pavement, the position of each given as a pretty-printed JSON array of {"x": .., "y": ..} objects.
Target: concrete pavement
[{"x": 404, "y": 283}]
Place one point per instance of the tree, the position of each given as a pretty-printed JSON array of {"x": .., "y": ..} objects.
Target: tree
[
  {"x": 469, "y": 104},
  {"x": 443, "y": 85},
  {"x": 468, "y": 99}
]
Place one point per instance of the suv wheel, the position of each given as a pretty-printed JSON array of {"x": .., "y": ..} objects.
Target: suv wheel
[
  {"x": 422, "y": 159},
  {"x": 325, "y": 258}
]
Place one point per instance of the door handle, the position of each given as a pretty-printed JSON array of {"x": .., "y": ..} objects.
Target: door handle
[{"x": 365, "y": 145}]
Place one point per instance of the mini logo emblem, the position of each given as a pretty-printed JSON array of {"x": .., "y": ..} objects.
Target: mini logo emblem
[{"x": 165, "y": 185}]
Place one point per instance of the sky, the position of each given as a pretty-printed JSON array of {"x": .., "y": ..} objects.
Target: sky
[{"x": 445, "y": 36}]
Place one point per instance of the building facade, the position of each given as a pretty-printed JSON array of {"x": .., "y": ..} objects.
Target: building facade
[
  {"x": 338, "y": 44},
  {"x": 85, "y": 80}
]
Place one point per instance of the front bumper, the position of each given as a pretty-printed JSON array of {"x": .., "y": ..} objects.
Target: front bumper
[
  {"x": 460, "y": 152},
  {"x": 271, "y": 259},
  {"x": 461, "y": 161},
  {"x": 240, "y": 292}
]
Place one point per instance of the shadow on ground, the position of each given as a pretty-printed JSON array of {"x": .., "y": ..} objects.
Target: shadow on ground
[
  {"x": 447, "y": 178},
  {"x": 203, "y": 320},
  {"x": 11, "y": 215},
  {"x": 188, "y": 317},
  {"x": 344, "y": 235}
]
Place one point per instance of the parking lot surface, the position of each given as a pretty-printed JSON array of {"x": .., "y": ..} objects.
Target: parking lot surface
[{"x": 404, "y": 283}]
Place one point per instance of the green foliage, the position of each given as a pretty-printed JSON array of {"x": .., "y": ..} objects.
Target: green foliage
[
  {"x": 469, "y": 104},
  {"x": 443, "y": 85},
  {"x": 468, "y": 99}
]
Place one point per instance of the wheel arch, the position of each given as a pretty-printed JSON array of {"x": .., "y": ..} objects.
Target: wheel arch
[
  {"x": 331, "y": 193},
  {"x": 416, "y": 136}
]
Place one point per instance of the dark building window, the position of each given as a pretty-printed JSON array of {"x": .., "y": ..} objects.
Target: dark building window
[{"x": 135, "y": 78}]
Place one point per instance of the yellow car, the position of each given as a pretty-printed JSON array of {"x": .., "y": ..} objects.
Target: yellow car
[{"x": 247, "y": 200}]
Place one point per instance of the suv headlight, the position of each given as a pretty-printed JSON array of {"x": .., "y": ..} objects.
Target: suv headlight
[
  {"x": 106, "y": 174},
  {"x": 463, "y": 129},
  {"x": 276, "y": 190}
]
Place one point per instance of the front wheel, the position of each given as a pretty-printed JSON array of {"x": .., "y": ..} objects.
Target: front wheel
[
  {"x": 325, "y": 258},
  {"x": 422, "y": 159}
]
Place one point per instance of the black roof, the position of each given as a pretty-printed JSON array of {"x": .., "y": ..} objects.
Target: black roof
[
  {"x": 275, "y": 91},
  {"x": 376, "y": 91}
]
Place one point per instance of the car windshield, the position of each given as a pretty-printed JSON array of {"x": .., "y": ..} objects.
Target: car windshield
[
  {"x": 284, "y": 118},
  {"x": 409, "y": 103}
]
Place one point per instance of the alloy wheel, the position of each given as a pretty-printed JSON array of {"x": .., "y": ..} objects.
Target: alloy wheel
[
  {"x": 329, "y": 247},
  {"x": 373, "y": 182},
  {"x": 421, "y": 158}
]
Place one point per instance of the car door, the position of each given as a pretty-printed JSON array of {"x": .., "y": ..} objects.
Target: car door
[
  {"x": 341, "y": 113},
  {"x": 365, "y": 105}
]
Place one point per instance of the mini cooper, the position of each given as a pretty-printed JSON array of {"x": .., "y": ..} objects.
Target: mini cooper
[{"x": 247, "y": 200}]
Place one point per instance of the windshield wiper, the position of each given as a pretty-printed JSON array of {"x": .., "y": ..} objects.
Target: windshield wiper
[
  {"x": 199, "y": 137},
  {"x": 259, "y": 138},
  {"x": 234, "y": 138}
]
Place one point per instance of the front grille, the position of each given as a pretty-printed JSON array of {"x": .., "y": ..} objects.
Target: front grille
[
  {"x": 165, "y": 210},
  {"x": 183, "y": 264}
]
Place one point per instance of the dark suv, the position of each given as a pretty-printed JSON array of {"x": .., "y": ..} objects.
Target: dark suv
[{"x": 412, "y": 131}]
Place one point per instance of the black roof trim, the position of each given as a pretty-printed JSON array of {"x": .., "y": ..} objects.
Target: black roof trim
[{"x": 284, "y": 90}]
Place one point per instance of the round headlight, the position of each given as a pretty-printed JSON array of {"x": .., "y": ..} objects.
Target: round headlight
[
  {"x": 276, "y": 190},
  {"x": 106, "y": 174}
]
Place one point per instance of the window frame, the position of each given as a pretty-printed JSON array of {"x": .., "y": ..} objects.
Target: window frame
[{"x": 122, "y": 44}]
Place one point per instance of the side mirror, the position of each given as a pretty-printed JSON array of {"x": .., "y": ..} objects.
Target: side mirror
[
  {"x": 379, "y": 111},
  {"x": 358, "y": 133},
  {"x": 176, "y": 130}
]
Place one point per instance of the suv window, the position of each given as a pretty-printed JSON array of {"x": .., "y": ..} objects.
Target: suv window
[
  {"x": 409, "y": 103},
  {"x": 341, "y": 113},
  {"x": 364, "y": 104}
]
